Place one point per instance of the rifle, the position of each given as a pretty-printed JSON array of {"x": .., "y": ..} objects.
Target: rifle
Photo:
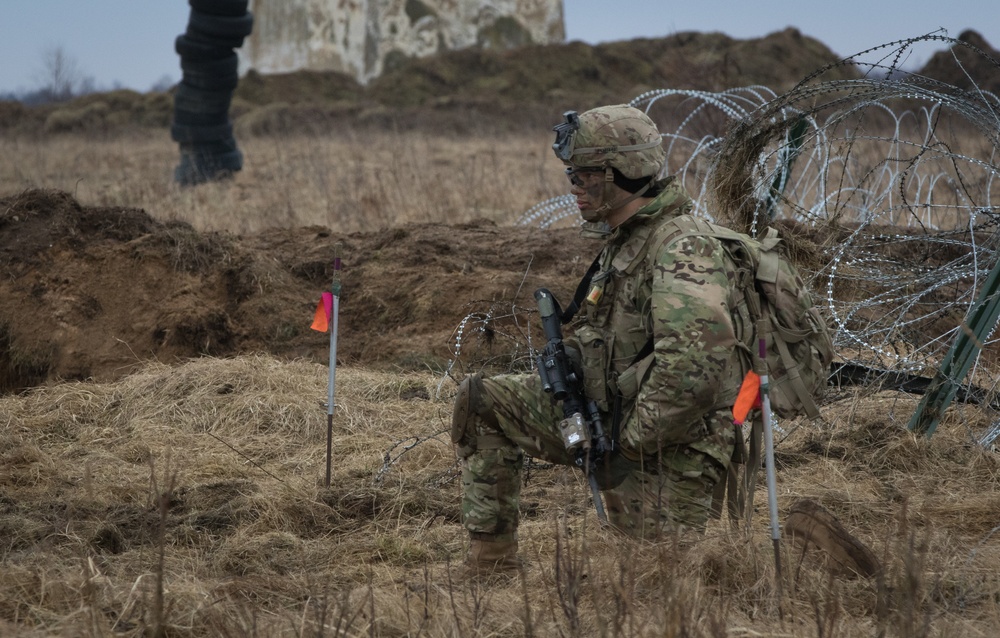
[{"x": 581, "y": 428}]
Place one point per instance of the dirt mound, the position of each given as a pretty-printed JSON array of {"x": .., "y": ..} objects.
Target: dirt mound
[
  {"x": 472, "y": 88},
  {"x": 579, "y": 75},
  {"x": 517, "y": 87},
  {"x": 466, "y": 88},
  {"x": 93, "y": 292},
  {"x": 964, "y": 66},
  {"x": 96, "y": 113}
]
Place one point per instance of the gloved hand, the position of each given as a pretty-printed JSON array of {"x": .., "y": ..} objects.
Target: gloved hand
[{"x": 612, "y": 469}]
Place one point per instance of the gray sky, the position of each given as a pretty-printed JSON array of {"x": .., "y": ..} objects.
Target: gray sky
[{"x": 129, "y": 43}]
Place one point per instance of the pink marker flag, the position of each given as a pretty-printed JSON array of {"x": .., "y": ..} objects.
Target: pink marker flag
[{"x": 324, "y": 310}]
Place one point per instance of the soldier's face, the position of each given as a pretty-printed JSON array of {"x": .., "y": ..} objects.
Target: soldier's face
[{"x": 587, "y": 186}]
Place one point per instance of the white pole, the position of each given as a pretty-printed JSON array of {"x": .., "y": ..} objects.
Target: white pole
[
  {"x": 331, "y": 385},
  {"x": 772, "y": 489}
]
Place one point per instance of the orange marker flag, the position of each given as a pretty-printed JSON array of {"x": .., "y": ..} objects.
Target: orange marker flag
[
  {"x": 321, "y": 319},
  {"x": 748, "y": 398}
]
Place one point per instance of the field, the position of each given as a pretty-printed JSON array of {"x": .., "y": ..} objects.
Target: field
[
  {"x": 163, "y": 418},
  {"x": 349, "y": 181},
  {"x": 190, "y": 498}
]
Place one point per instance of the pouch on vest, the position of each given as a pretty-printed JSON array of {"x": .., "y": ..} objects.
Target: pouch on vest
[
  {"x": 594, "y": 358},
  {"x": 628, "y": 382}
]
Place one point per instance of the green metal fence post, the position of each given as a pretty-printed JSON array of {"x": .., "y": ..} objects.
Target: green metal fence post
[{"x": 960, "y": 358}]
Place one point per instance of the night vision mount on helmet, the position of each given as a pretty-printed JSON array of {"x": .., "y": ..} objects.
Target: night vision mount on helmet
[{"x": 618, "y": 136}]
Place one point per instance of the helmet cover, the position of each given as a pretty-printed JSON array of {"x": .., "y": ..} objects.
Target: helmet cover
[{"x": 619, "y": 136}]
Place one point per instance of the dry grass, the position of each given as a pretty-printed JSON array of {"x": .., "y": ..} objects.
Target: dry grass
[
  {"x": 219, "y": 465},
  {"x": 346, "y": 181}
]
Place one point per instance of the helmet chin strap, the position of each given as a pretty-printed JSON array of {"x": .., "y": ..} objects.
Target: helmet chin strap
[{"x": 601, "y": 212}]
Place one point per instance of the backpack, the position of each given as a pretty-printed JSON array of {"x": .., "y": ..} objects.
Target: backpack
[{"x": 799, "y": 343}]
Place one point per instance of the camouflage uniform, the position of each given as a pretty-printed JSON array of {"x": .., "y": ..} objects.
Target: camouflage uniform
[{"x": 676, "y": 429}]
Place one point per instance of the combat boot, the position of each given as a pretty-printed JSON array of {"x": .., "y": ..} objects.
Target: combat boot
[{"x": 491, "y": 557}]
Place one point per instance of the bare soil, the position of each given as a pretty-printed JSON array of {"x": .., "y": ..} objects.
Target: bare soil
[{"x": 94, "y": 292}]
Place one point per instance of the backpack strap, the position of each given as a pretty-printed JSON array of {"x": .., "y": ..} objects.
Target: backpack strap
[
  {"x": 751, "y": 468},
  {"x": 736, "y": 488},
  {"x": 728, "y": 482},
  {"x": 792, "y": 366},
  {"x": 767, "y": 269}
]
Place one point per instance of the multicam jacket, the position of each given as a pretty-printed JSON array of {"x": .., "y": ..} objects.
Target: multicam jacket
[{"x": 677, "y": 293}]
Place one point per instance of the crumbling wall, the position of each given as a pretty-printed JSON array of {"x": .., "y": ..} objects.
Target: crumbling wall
[{"x": 363, "y": 37}]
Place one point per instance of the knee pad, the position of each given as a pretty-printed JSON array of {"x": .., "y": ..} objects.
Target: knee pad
[{"x": 472, "y": 412}]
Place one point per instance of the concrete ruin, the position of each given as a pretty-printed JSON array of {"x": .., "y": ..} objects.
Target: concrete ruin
[{"x": 364, "y": 37}]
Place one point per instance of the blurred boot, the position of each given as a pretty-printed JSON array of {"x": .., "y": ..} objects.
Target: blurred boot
[{"x": 490, "y": 557}]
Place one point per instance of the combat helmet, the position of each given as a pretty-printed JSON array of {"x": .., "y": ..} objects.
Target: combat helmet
[{"x": 618, "y": 136}]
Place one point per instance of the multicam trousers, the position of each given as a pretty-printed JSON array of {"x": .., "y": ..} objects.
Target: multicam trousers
[{"x": 671, "y": 493}]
